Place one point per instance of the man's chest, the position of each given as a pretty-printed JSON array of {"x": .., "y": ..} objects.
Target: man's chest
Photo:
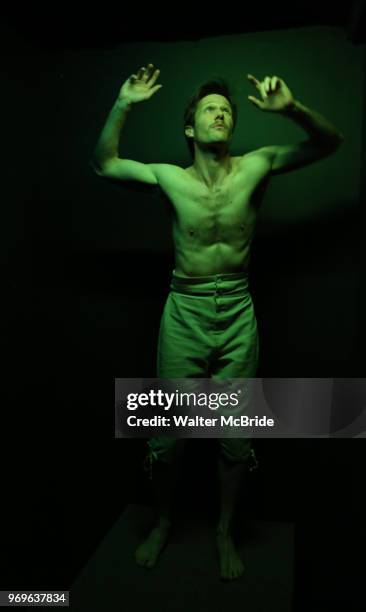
[{"x": 230, "y": 202}]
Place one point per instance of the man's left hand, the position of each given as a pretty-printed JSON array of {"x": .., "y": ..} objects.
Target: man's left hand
[{"x": 276, "y": 96}]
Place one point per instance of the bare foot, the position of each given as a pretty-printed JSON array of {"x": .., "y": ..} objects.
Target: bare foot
[
  {"x": 147, "y": 553},
  {"x": 231, "y": 566}
]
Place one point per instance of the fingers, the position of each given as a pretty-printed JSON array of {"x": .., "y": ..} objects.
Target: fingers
[
  {"x": 148, "y": 74},
  {"x": 268, "y": 85},
  {"x": 155, "y": 89},
  {"x": 154, "y": 75},
  {"x": 253, "y": 79},
  {"x": 271, "y": 83},
  {"x": 141, "y": 73},
  {"x": 260, "y": 86},
  {"x": 274, "y": 82},
  {"x": 256, "y": 102}
]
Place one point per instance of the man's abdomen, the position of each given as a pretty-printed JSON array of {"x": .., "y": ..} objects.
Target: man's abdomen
[
  {"x": 219, "y": 258},
  {"x": 208, "y": 328}
]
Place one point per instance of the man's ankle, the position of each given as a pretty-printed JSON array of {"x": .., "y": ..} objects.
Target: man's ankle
[
  {"x": 223, "y": 528},
  {"x": 164, "y": 522}
]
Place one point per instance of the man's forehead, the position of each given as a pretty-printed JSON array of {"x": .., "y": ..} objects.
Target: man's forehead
[{"x": 217, "y": 98}]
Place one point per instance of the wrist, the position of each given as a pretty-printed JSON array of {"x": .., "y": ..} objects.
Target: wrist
[
  {"x": 124, "y": 104},
  {"x": 291, "y": 109}
]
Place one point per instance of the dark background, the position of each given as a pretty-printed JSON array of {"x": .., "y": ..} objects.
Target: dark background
[{"x": 88, "y": 264}]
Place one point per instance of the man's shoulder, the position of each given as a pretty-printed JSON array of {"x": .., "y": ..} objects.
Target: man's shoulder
[
  {"x": 164, "y": 172},
  {"x": 166, "y": 168},
  {"x": 260, "y": 152},
  {"x": 260, "y": 158},
  {"x": 170, "y": 175}
]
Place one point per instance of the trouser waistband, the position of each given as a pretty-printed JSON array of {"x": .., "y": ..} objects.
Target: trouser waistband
[{"x": 235, "y": 283}]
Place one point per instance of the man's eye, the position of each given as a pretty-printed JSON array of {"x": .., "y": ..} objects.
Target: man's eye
[{"x": 212, "y": 107}]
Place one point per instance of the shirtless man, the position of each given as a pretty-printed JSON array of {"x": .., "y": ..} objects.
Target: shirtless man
[{"x": 214, "y": 204}]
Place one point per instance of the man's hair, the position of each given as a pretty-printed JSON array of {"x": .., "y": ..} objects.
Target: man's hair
[{"x": 217, "y": 85}]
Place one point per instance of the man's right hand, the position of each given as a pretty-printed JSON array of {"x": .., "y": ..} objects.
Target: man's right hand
[{"x": 139, "y": 87}]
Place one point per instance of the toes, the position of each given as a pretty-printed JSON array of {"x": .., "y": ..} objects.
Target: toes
[
  {"x": 140, "y": 559},
  {"x": 144, "y": 561},
  {"x": 239, "y": 570},
  {"x": 225, "y": 572},
  {"x": 230, "y": 571}
]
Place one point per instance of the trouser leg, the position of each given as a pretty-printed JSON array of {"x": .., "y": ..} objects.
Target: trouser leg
[
  {"x": 230, "y": 480},
  {"x": 237, "y": 358},
  {"x": 161, "y": 463},
  {"x": 181, "y": 353}
]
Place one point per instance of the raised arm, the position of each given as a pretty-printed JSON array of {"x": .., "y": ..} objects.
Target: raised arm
[
  {"x": 105, "y": 160},
  {"x": 323, "y": 137}
]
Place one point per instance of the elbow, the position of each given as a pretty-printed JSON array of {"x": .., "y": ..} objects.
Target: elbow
[
  {"x": 339, "y": 140},
  {"x": 333, "y": 145},
  {"x": 95, "y": 167},
  {"x": 339, "y": 143}
]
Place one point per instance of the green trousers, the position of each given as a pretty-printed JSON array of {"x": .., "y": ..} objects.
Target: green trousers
[{"x": 208, "y": 330}]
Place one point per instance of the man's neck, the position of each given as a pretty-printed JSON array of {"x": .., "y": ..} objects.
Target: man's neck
[{"x": 211, "y": 168}]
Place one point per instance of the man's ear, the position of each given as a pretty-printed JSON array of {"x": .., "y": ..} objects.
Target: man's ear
[{"x": 189, "y": 131}]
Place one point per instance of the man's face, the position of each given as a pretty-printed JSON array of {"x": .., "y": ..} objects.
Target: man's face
[{"x": 212, "y": 109}]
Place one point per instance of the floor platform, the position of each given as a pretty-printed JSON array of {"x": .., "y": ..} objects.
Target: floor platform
[{"x": 186, "y": 576}]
